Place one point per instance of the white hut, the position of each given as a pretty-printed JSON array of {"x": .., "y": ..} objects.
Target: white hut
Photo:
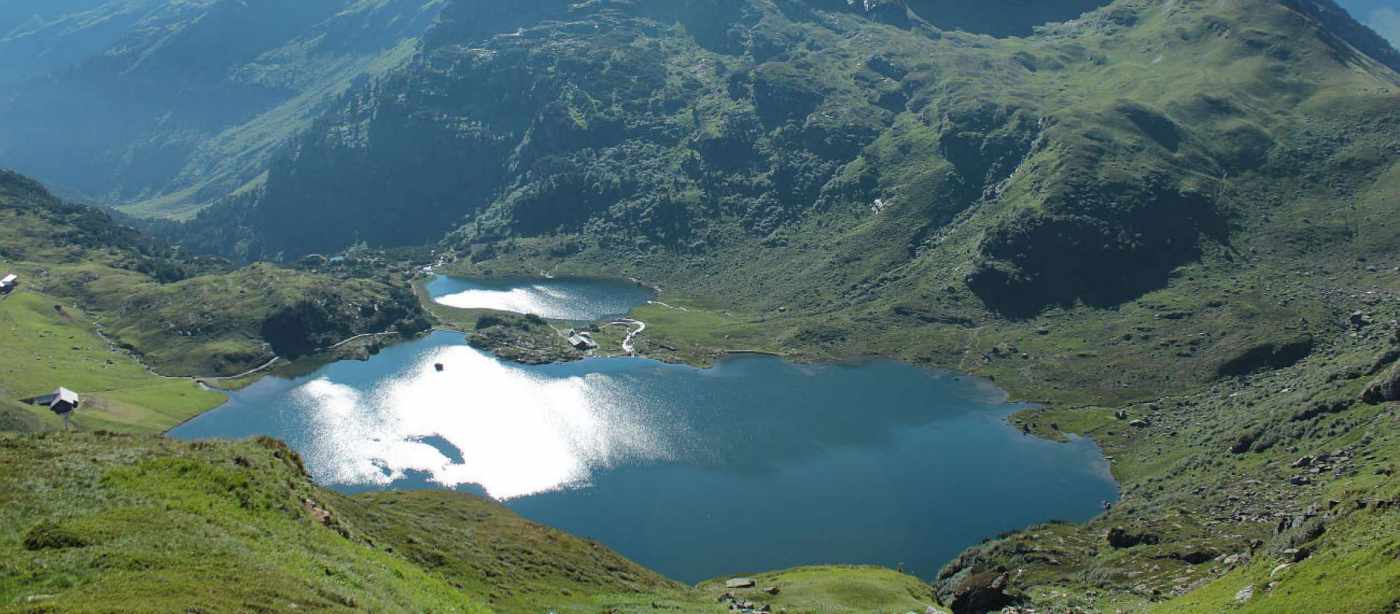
[{"x": 64, "y": 402}]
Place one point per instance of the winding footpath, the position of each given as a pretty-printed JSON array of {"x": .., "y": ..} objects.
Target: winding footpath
[{"x": 627, "y": 341}]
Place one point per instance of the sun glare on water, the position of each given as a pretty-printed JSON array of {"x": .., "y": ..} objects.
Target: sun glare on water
[
  {"x": 540, "y": 300},
  {"x": 518, "y": 434}
]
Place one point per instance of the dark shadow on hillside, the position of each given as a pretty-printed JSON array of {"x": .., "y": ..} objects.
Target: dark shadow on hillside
[{"x": 1101, "y": 254}]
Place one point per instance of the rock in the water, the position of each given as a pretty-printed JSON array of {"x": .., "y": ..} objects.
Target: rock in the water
[{"x": 740, "y": 583}]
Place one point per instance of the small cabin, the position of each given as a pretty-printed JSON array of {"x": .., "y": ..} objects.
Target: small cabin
[
  {"x": 63, "y": 401},
  {"x": 8, "y": 283},
  {"x": 581, "y": 341}
]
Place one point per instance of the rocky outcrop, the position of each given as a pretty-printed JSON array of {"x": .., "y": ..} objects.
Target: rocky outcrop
[
  {"x": 1267, "y": 356},
  {"x": 983, "y": 592},
  {"x": 969, "y": 585},
  {"x": 1119, "y": 537},
  {"x": 1385, "y": 388}
]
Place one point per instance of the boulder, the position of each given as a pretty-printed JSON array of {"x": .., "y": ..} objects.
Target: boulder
[
  {"x": 1245, "y": 594},
  {"x": 1359, "y": 320},
  {"x": 740, "y": 583},
  {"x": 983, "y": 592}
]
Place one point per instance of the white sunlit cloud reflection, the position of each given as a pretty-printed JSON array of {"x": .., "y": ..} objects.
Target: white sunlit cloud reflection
[{"x": 518, "y": 434}]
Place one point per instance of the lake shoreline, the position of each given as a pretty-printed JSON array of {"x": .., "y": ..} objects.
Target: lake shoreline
[{"x": 822, "y": 461}]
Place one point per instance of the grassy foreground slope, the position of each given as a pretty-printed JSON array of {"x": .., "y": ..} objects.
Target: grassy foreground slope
[
  {"x": 111, "y": 523},
  {"x": 100, "y": 522}
]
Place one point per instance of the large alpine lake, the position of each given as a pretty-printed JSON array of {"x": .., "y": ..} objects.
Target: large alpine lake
[{"x": 754, "y": 464}]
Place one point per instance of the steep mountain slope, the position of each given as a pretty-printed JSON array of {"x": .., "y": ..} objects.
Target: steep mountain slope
[
  {"x": 766, "y": 112},
  {"x": 167, "y": 106},
  {"x": 890, "y": 187},
  {"x": 39, "y": 36}
]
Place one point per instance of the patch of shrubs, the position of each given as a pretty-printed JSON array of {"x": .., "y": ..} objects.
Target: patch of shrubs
[{"x": 50, "y": 535}]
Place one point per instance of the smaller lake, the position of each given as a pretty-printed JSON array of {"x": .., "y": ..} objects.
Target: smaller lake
[{"x": 555, "y": 299}]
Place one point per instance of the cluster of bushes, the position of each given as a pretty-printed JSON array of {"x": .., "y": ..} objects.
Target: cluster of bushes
[
  {"x": 525, "y": 322},
  {"x": 324, "y": 318}
]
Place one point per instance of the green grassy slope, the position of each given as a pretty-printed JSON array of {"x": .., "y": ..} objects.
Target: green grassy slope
[
  {"x": 100, "y": 522},
  {"x": 833, "y": 589},
  {"x": 1214, "y": 491},
  {"x": 46, "y": 348},
  {"x": 517, "y": 566},
  {"x": 108, "y": 523}
]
